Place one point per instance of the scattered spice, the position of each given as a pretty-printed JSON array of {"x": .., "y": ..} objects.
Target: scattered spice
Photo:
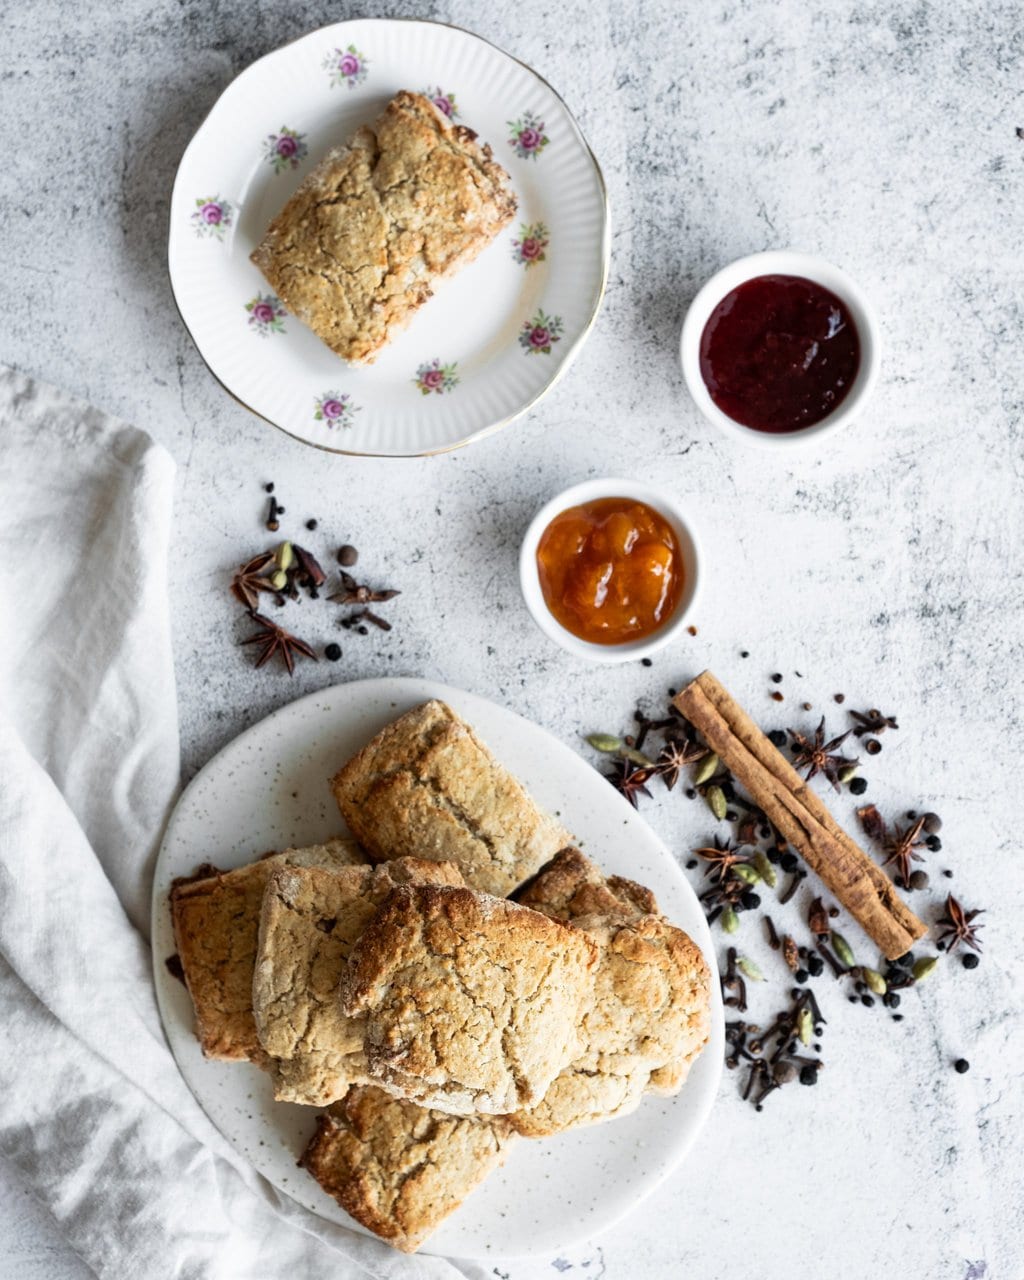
[
  {"x": 818, "y": 756},
  {"x": 347, "y": 556},
  {"x": 333, "y": 652},
  {"x": 250, "y": 580},
  {"x": 872, "y": 722},
  {"x": 901, "y": 848},
  {"x": 956, "y": 926},
  {"x": 352, "y": 593},
  {"x": 630, "y": 781},
  {"x": 872, "y": 746},
  {"x": 311, "y": 525},
  {"x": 273, "y": 638},
  {"x": 273, "y": 511},
  {"x": 840, "y": 698},
  {"x": 778, "y": 697},
  {"x": 692, "y": 630},
  {"x": 961, "y": 1066}
]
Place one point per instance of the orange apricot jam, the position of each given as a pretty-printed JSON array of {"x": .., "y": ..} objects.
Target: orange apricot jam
[{"x": 610, "y": 570}]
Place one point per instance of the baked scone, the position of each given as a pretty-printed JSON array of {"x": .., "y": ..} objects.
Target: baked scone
[
  {"x": 427, "y": 787},
  {"x": 398, "y": 1169},
  {"x": 216, "y": 916},
  {"x": 472, "y": 1002},
  {"x": 650, "y": 1014},
  {"x": 357, "y": 248},
  {"x": 310, "y": 921}
]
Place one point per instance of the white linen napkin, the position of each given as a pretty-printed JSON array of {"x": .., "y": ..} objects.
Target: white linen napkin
[{"x": 93, "y": 1112}]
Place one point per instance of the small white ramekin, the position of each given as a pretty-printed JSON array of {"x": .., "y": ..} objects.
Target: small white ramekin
[
  {"x": 590, "y": 491},
  {"x": 782, "y": 262}
]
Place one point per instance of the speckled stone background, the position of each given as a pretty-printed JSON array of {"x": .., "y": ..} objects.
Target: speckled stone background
[{"x": 887, "y": 566}]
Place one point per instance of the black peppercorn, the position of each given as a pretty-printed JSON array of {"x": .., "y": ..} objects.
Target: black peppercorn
[
  {"x": 948, "y": 874},
  {"x": 868, "y": 1001},
  {"x": 311, "y": 525},
  {"x": 961, "y": 1065},
  {"x": 897, "y": 1017},
  {"x": 269, "y": 487},
  {"x": 801, "y": 975},
  {"x": 788, "y": 862},
  {"x": 858, "y": 786},
  {"x": 934, "y": 843},
  {"x": 815, "y": 966},
  {"x": 777, "y": 738},
  {"x": 777, "y": 678},
  {"x": 646, "y": 662},
  {"x": 750, "y": 901},
  {"x": 744, "y": 653},
  {"x": 808, "y": 1075},
  {"x": 333, "y": 652},
  {"x": 691, "y": 864},
  {"x": 691, "y": 794},
  {"x": 970, "y": 961}
]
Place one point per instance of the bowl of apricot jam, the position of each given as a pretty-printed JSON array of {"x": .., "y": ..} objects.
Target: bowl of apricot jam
[
  {"x": 780, "y": 349},
  {"x": 610, "y": 570}
]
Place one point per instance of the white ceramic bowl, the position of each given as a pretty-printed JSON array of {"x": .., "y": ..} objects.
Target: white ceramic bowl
[
  {"x": 783, "y": 262},
  {"x": 590, "y": 491}
]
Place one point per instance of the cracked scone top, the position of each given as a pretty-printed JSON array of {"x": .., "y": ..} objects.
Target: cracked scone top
[
  {"x": 216, "y": 916},
  {"x": 472, "y": 1002},
  {"x": 650, "y": 1015},
  {"x": 399, "y": 1169},
  {"x": 427, "y": 787},
  {"x": 310, "y": 921},
  {"x": 407, "y": 201}
]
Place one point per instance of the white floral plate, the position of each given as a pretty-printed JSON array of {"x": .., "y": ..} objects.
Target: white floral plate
[
  {"x": 491, "y": 342},
  {"x": 268, "y": 790}
]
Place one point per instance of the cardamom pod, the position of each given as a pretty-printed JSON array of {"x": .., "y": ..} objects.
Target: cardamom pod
[
  {"x": 637, "y": 757},
  {"x": 707, "y": 768},
  {"x": 715, "y": 797},
  {"x": 745, "y": 872},
  {"x": 923, "y": 967},
  {"x": 848, "y": 772},
  {"x": 730, "y": 920},
  {"x": 279, "y": 579},
  {"x": 874, "y": 981},
  {"x": 284, "y": 556},
  {"x": 765, "y": 869},
  {"x": 805, "y": 1025},
  {"x": 843, "y": 950},
  {"x": 747, "y": 966},
  {"x": 604, "y": 742}
]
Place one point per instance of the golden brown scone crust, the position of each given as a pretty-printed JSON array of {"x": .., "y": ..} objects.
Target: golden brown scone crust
[
  {"x": 216, "y": 923},
  {"x": 310, "y": 921},
  {"x": 356, "y": 249},
  {"x": 651, "y": 1010},
  {"x": 571, "y": 885},
  {"x": 427, "y": 787},
  {"x": 472, "y": 1002},
  {"x": 399, "y": 1169}
]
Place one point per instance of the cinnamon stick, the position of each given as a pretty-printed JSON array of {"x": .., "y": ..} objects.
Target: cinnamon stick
[{"x": 772, "y": 783}]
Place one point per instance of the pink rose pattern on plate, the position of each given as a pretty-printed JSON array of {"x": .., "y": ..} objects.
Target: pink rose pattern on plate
[
  {"x": 528, "y": 137},
  {"x": 211, "y": 216},
  {"x": 433, "y": 376},
  {"x": 335, "y": 409},
  {"x": 445, "y": 102},
  {"x": 284, "y": 150},
  {"x": 266, "y": 314},
  {"x": 346, "y": 67},
  {"x": 532, "y": 244},
  {"x": 540, "y": 333}
]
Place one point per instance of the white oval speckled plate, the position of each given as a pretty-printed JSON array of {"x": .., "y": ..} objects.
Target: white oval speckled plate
[
  {"x": 491, "y": 342},
  {"x": 268, "y": 790}
]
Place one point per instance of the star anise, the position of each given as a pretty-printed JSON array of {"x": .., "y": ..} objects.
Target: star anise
[
  {"x": 352, "y": 593},
  {"x": 956, "y": 926},
  {"x": 720, "y": 857},
  {"x": 630, "y": 780},
  {"x": 872, "y": 722},
  {"x": 249, "y": 581},
  {"x": 675, "y": 755},
  {"x": 818, "y": 756},
  {"x": 901, "y": 848},
  {"x": 274, "y": 639}
]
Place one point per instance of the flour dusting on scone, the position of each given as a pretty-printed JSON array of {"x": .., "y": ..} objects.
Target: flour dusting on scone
[
  {"x": 472, "y": 1003},
  {"x": 409, "y": 200}
]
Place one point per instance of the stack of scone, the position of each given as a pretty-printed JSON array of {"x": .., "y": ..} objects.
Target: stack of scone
[{"x": 459, "y": 977}]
